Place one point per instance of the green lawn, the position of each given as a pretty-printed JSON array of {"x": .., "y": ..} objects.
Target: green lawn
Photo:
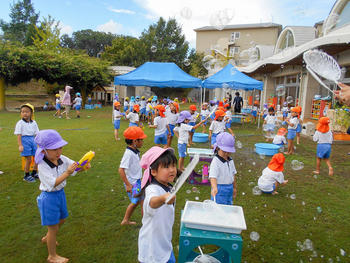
[{"x": 97, "y": 199}]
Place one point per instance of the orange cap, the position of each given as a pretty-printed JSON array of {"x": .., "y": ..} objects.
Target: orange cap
[
  {"x": 221, "y": 108},
  {"x": 193, "y": 107},
  {"x": 227, "y": 105},
  {"x": 176, "y": 106},
  {"x": 323, "y": 124},
  {"x": 117, "y": 103},
  {"x": 161, "y": 110},
  {"x": 256, "y": 102},
  {"x": 282, "y": 131},
  {"x": 296, "y": 109},
  {"x": 221, "y": 104},
  {"x": 136, "y": 108},
  {"x": 219, "y": 113},
  {"x": 134, "y": 133},
  {"x": 276, "y": 163}
]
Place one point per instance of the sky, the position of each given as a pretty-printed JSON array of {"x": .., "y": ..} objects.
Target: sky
[{"x": 132, "y": 17}]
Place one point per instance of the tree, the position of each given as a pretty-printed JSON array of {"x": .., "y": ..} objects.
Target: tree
[
  {"x": 196, "y": 67},
  {"x": 47, "y": 36},
  {"x": 23, "y": 20}
]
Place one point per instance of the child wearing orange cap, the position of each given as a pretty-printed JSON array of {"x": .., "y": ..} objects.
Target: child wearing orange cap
[
  {"x": 194, "y": 116},
  {"x": 133, "y": 116},
  {"x": 116, "y": 117},
  {"x": 324, "y": 138},
  {"x": 292, "y": 129},
  {"x": 280, "y": 138},
  {"x": 299, "y": 127},
  {"x": 228, "y": 116},
  {"x": 160, "y": 123},
  {"x": 272, "y": 175},
  {"x": 130, "y": 170},
  {"x": 171, "y": 115},
  {"x": 217, "y": 126},
  {"x": 255, "y": 110}
]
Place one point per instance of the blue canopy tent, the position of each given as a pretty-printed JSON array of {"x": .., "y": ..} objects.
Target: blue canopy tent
[{"x": 158, "y": 74}]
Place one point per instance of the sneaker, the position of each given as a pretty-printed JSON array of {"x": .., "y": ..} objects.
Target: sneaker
[
  {"x": 34, "y": 175},
  {"x": 29, "y": 179}
]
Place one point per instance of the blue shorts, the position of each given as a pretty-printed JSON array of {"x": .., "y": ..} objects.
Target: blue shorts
[
  {"x": 224, "y": 195},
  {"x": 254, "y": 113},
  {"x": 213, "y": 138},
  {"x": 203, "y": 118},
  {"x": 299, "y": 128},
  {"x": 135, "y": 190},
  {"x": 291, "y": 134},
  {"x": 324, "y": 150},
  {"x": 192, "y": 124},
  {"x": 181, "y": 148},
  {"x": 171, "y": 130},
  {"x": 160, "y": 139},
  {"x": 285, "y": 114},
  {"x": 116, "y": 124},
  {"x": 143, "y": 111},
  {"x": 126, "y": 108},
  {"x": 29, "y": 146},
  {"x": 52, "y": 207},
  {"x": 58, "y": 106},
  {"x": 172, "y": 258},
  {"x": 273, "y": 187},
  {"x": 77, "y": 107},
  {"x": 228, "y": 124},
  {"x": 132, "y": 124},
  {"x": 147, "y": 113},
  {"x": 264, "y": 116}
]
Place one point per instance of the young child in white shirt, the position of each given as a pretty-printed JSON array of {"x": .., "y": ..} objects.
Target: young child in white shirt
[
  {"x": 292, "y": 122},
  {"x": 217, "y": 126},
  {"x": 324, "y": 138},
  {"x": 116, "y": 116},
  {"x": 270, "y": 123},
  {"x": 126, "y": 104},
  {"x": 228, "y": 116},
  {"x": 133, "y": 116},
  {"x": 58, "y": 106},
  {"x": 272, "y": 175},
  {"x": 285, "y": 110},
  {"x": 54, "y": 169},
  {"x": 26, "y": 129},
  {"x": 255, "y": 110},
  {"x": 204, "y": 115},
  {"x": 222, "y": 170},
  {"x": 280, "y": 138},
  {"x": 130, "y": 170},
  {"x": 154, "y": 243},
  {"x": 172, "y": 115},
  {"x": 160, "y": 123},
  {"x": 194, "y": 116},
  {"x": 77, "y": 104}
]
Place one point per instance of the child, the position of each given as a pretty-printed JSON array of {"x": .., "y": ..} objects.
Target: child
[
  {"x": 269, "y": 123},
  {"x": 58, "y": 106},
  {"x": 222, "y": 170},
  {"x": 143, "y": 108},
  {"x": 324, "y": 138},
  {"x": 279, "y": 138},
  {"x": 130, "y": 170},
  {"x": 54, "y": 169},
  {"x": 126, "y": 104},
  {"x": 194, "y": 116},
  {"x": 272, "y": 175},
  {"x": 285, "y": 110},
  {"x": 182, "y": 132},
  {"x": 66, "y": 101},
  {"x": 133, "y": 116},
  {"x": 132, "y": 103},
  {"x": 265, "y": 111},
  {"x": 77, "y": 103},
  {"x": 299, "y": 127},
  {"x": 217, "y": 126},
  {"x": 149, "y": 111},
  {"x": 292, "y": 127},
  {"x": 26, "y": 129},
  {"x": 154, "y": 243},
  {"x": 204, "y": 115},
  {"x": 89, "y": 99},
  {"x": 255, "y": 110},
  {"x": 116, "y": 116},
  {"x": 228, "y": 116},
  {"x": 171, "y": 115},
  {"x": 161, "y": 126}
]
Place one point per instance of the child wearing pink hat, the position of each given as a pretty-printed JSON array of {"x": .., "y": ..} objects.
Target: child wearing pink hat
[
  {"x": 54, "y": 169},
  {"x": 154, "y": 243},
  {"x": 222, "y": 170}
]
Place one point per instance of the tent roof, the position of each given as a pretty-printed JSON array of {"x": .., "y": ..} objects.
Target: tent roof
[
  {"x": 233, "y": 78},
  {"x": 158, "y": 74}
]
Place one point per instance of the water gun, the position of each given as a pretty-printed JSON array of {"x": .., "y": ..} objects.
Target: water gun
[{"x": 84, "y": 160}]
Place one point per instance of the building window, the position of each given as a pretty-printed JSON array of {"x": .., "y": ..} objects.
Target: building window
[
  {"x": 234, "y": 36},
  {"x": 344, "y": 16},
  {"x": 288, "y": 40},
  {"x": 233, "y": 51}
]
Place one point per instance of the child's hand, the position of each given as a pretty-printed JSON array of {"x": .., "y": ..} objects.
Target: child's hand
[
  {"x": 234, "y": 192},
  {"x": 285, "y": 182},
  {"x": 20, "y": 148},
  {"x": 128, "y": 188},
  {"x": 171, "y": 201},
  {"x": 214, "y": 191},
  {"x": 87, "y": 166},
  {"x": 72, "y": 168}
]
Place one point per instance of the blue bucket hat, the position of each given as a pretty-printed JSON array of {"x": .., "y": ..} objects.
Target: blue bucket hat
[
  {"x": 225, "y": 142},
  {"x": 183, "y": 116}
]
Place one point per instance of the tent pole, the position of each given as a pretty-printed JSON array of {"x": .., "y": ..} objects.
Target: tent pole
[
  {"x": 259, "y": 111},
  {"x": 204, "y": 95}
]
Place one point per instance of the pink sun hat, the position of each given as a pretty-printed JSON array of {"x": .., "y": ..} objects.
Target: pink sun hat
[
  {"x": 225, "y": 142},
  {"x": 147, "y": 159}
]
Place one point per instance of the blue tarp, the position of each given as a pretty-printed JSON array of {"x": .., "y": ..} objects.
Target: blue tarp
[
  {"x": 233, "y": 78},
  {"x": 158, "y": 74}
]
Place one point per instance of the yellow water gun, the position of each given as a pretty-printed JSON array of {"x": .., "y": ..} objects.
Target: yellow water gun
[{"x": 84, "y": 160}]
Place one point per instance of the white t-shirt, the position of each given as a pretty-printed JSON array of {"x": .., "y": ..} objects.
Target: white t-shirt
[
  {"x": 77, "y": 101},
  {"x": 133, "y": 117},
  {"x": 270, "y": 119},
  {"x": 278, "y": 139},
  {"x": 285, "y": 109},
  {"x": 148, "y": 106},
  {"x": 268, "y": 179},
  {"x": 223, "y": 170},
  {"x": 321, "y": 137},
  {"x": 58, "y": 101},
  {"x": 48, "y": 173},
  {"x": 295, "y": 121},
  {"x": 217, "y": 126},
  {"x": 183, "y": 131},
  {"x": 161, "y": 124},
  {"x": 205, "y": 113},
  {"x": 117, "y": 115},
  {"x": 228, "y": 116},
  {"x": 143, "y": 104},
  {"x": 131, "y": 163},
  {"x": 194, "y": 116},
  {"x": 255, "y": 108},
  {"x": 25, "y": 128},
  {"x": 126, "y": 103},
  {"x": 132, "y": 103},
  {"x": 155, "y": 235},
  {"x": 171, "y": 117}
]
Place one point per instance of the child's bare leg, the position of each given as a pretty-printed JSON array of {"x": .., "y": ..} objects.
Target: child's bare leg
[
  {"x": 116, "y": 135},
  {"x": 51, "y": 245},
  {"x": 27, "y": 164},
  {"x": 44, "y": 238},
  {"x": 169, "y": 139},
  {"x": 181, "y": 163},
  {"x": 275, "y": 191},
  {"x": 318, "y": 165},
  {"x": 330, "y": 168},
  {"x": 289, "y": 146},
  {"x": 190, "y": 139},
  {"x": 129, "y": 210},
  {"x": 141, "y": 204},
  {"x": 298, "y": 138}
]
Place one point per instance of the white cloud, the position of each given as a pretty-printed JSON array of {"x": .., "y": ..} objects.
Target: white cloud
[
  {"x": 124, "y": 11},
  {"x": 110, "y": 26},
  {"x": 65, "y": 29}
]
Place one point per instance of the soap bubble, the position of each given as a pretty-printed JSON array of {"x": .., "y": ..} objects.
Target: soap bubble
[
  {"x": 315, "y": 176},
  {"x": 330, "y": 260},
  {"x": 292, "y": 196},
  {"x": 243, "y": 193},
  {"x": 188, "y": 191},
  {"x": 253, "y": 163},
  {"x": 239, "y": 145},
  {"x": 207, "y": 61},
  {"x": 280, "y": 90},
  {"x": 153, "y": 49},
  {"x": 254, "y": 236},
  {"x": 303, "y": 203},
  {"x": 308, "y": 245},
  {"x": 282, "y": 66},
  {"x": 342, "y": 252},
  {"x": 207, "y": 65},
  {"x": 289, "y": 99},
  {"x": 319, "y": 209},
  {"x": 187, "y": 62},
  {"x": 296, "y": 165},
  {"x": 194, "y": 189},
  {"x": 219, "y": 19},
  {"x": 249, "y": 171},
  {"x": 262, "y": 156},
  {"x": 225, "y": 85},
  {"x": 269, "y": 131},
  {"x": 233, "y": 71},
  {"x": 186, "y": 12},
  {"x": 256, "y": 190},
  {"x": 1, "y": 172},
  {"x": 197, "y": 198}
]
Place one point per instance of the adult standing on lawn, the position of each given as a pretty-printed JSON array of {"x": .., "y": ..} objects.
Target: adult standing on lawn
[
  {"x": 237, "y": 103},
  {"x": 66, "y": 101}
]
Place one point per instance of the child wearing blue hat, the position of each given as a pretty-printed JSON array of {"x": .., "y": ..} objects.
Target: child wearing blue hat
[
  {"x": 222, "y": 170},
  {"x": 54, "y": 169},
  {"x": 77, "y": 103}
]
